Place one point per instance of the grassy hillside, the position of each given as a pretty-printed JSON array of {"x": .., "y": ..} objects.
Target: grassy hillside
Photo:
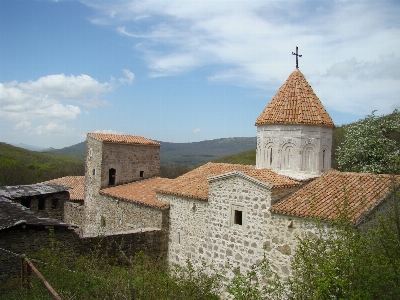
[{"x": 21, "y": 166}]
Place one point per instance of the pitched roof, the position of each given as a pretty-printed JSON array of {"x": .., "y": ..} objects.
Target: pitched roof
[
  {"x": 295, "y": 103},
  {"x": 194, "y": 184},
  {"x": 324, "y": 198},
  {"x": 13, "y": 214},
  {"x": 123, "y": 139},
  {"x": 76, "y": 184},
  {"x": 17, "y": 191},
  {"x": 142, "y": 192}
]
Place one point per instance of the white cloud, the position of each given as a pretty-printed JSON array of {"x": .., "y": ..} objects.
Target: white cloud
[
  {"x": 54, "y": 128},
  {"x": 249, "y": 43},
  {"x": 108, "y": 131},
  {"x": 197, "y": 130},
  {"x": 48, "y": 97},
  {"x": 23, "y": 125},
  {"x": 129, "y": 77}
]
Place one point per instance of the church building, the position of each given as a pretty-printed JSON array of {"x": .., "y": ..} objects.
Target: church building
[{"x": 227, "y": 213}]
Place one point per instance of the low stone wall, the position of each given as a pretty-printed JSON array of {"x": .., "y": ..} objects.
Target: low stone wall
[
  {"x": 28, "y": 240},
  {"x": 25, "y": 239}
]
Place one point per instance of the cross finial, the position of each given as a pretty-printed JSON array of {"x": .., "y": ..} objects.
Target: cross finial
[{"x": 297, "y": 57}]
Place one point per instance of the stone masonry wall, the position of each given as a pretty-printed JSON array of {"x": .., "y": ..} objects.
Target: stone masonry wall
[
  {"x": 73, "y": 213},
  {"x": 209, "y": 232},
  {"x": 48, "y": 211},
  {"x": 30, "y": 239},
  {"x": 128, "y": 161},
  {"x": 113, "y": 216},
  {"x": 188, "y": 230},
  {"x": 299, "y": 138},
  {"x": 25, "y": 239}
]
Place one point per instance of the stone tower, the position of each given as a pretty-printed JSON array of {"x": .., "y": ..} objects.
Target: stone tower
[
  {"x": 112, "y": 160},
  {"x": 294, "y": 132}
]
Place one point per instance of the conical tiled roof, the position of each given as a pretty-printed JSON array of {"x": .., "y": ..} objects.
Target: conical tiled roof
[{"x": 295, "y": 103}]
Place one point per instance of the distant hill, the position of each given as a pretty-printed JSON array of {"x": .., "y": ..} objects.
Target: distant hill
[
  {"x": 76, "y": 150},
  {"x": 27, "y": 147},
  {"x": 185, "y": 153},
  {"x": 21, "y": 166}
]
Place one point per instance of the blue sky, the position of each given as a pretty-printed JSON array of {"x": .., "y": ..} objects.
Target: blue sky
[{"x": 186, "y": 71}]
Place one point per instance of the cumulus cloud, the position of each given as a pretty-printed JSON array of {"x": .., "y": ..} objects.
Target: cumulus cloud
[
  {"x": 249, "y": 43},
  {"x": 52, "y": 97}
]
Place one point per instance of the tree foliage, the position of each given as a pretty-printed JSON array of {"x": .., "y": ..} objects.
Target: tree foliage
[{"x": 371, "y": 145}]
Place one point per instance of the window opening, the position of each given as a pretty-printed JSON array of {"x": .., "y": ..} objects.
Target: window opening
[
  {"x": 141, "y": 173},
  {"x": 54, "y": 203},
  {"x": 323, "y": 160},
  {"x": 103, "y": 221},
  {"x": 41, "y": 204},
  {"x": 94, "y": 171},
  {"x": 270, "y": 156},
  {"x": 238, "y": 217},
  {"x": 111, "y": 176},
  {"x": 26, "y": 202}
]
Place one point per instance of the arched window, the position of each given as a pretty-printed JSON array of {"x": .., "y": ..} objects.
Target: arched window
[
  {"x": 111, "y": 176},
  {"x": 325, "y": 160},
  {"x": 270, "y": 156}
]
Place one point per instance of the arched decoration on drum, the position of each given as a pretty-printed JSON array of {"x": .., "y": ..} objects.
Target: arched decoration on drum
[
  {"x": 325, "y": 159},
  {"x": 269, "y": 155},
  {"x": 309, "y": 161},
  {"x": 288, "y": 159}
]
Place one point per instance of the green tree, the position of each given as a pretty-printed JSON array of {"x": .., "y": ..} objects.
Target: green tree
[{"x": 371, "y": 145}]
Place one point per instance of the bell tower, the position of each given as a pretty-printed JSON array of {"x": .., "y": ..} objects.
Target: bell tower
[{"x": 294, "y": 131}]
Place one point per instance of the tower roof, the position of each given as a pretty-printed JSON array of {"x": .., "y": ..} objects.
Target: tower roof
[
  {"x": 295, "y": 103},
  {"x": 123, "y": 139}
]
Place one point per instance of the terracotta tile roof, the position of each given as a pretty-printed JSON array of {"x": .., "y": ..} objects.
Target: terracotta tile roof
[
  {"x": 76, "y": 183},
  {"x": 124, "y": 139},
  {"x": 324, "y": 197},
  {"x": 295, "y": 103},
  {"x": 194, "y": 184},
  {"x": 142, "y": 192}
]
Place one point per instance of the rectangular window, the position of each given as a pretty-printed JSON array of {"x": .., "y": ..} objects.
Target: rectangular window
[
  {"x": 141, "y": 173},
  {"x": 238, "y": 217},
  {"x": 41, "y": 204},
  {"x": 54, "y": 203}
]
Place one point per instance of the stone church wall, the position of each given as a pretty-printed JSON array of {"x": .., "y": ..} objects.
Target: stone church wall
[
  {"x": 208, "y": 231},
  {"x": 294, "y": 149},
  {"x": 188, "y": 230}
]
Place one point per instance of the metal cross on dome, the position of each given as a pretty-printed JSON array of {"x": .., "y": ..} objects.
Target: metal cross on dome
[{"x": 297, "y": 57}]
